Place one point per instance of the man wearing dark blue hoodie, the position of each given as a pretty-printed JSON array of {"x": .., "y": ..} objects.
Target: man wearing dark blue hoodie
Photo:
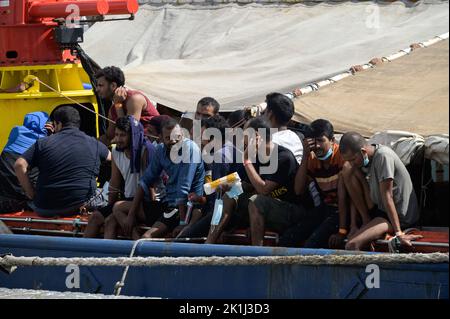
[{"x": 12, "y": 196}]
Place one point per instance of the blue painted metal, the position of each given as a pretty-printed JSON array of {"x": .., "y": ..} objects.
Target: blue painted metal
[{"x": 277, "y": 281}]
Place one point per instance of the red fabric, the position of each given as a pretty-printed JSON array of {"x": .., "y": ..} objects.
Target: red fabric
[{"x": 147, "y": 113}]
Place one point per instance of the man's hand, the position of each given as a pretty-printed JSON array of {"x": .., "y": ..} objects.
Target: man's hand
[
  {"x": 406, "y": 239},
  {"x": 194, "y": 198},
  {"x": 30, "y": 193},
  {"x": 336, "y": 241},
  {"x": 308, "y": 145},
  {"x": 49, "y": 127},
  {"x": 120, "y": 94},
  {"x": 252, "y": 148},
  {"x": 129, "y": 224},
  {"x": 223, "y": 188}
]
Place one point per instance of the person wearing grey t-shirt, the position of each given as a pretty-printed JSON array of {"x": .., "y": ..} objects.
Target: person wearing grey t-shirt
[{"x": 380, "y": 188}]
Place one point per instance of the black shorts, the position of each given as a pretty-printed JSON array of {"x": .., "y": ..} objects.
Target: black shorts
[
  {"x": 153, "y": 211},
  {"x": 170, "y": 218},
  {"x": 108, "y": 209},
  {"x": 375, "y": 212}
]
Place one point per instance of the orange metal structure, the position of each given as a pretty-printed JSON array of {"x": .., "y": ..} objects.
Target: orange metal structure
[{"x": 27, "y": 27}]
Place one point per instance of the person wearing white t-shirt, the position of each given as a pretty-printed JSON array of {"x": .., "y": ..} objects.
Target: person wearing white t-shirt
[{"x": 279, "y": 112}]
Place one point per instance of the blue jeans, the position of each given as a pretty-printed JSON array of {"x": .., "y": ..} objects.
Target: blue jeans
[{"x": 314, "y": 229}]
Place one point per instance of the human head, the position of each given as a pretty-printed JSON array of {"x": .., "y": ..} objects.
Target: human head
[
  {"x": 217, "y": 122},
  {"x": 66, "y": 116},
  {"x": 261, "y": 127},
  {"x": 108, "y": 80},
  {"x": 279, "y": 110},
  {"x": 323, "y": 134},
  {"x": 35, "y": 121},
  {"x": 353, "y": 147},
  {"x": 123, "y": 133},
  {"x": 238, "y": 118},
  {"x": 154, "y": 127},
  {"x": 171, "y": 133},
  {"x": 206, "y": 108}
]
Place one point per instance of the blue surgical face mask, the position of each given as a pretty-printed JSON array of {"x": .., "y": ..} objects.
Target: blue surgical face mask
[
  {"x": 365, "y": 160},
  {"x": 327, "y": 155}
]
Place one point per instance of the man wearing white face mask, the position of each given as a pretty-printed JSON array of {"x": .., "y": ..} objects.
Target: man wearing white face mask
[
  {"x": 319, "y": 175},
  {"x": 388, "y": 198}
]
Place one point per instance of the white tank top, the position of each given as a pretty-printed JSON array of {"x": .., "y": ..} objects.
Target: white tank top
[{"x": 123, "y": 164}]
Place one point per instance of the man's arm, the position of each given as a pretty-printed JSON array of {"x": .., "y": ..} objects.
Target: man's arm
[
  {"x": 21, "y": 167},
  {"x": 120, "y": 94},
  {"x": 135, "y": 205},
  {"x": 336, "y": 241},
  {"x": 151, "y": 174},
  {"x": 188, "y": 169},
  {"x": 386, "y": 187},
  {"x": 387, "y": 196},
  {"x": 185, "y": 181},
  {"x": 145, "y": 162},
  {"x": 263, "y": 187},
  {"x": 135, "y": 105},
  {"x": 110, "y": 131},
  {"x": 342, "y": 203},
  {"x": 115, "y": 183}
]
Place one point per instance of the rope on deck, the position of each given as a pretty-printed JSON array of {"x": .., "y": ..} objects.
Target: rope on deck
[{"x": 313, "y": 260}]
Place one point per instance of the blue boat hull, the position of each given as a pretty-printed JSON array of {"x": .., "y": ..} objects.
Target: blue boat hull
[{"x": 277, "y": 281}]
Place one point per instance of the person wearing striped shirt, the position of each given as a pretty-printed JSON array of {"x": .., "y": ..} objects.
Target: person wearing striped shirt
[{"x": 319, "y": 174}]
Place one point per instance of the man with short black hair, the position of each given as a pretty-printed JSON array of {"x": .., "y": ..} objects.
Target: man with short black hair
[
  {"x": 388, "y": 198},
  {"x": 206, "y": 108},
  {"x": 319, "y": 177},
  {"x": 223, "y": 156},
  {"x": 110, "y": 86},
  {"x": 271, "y": 203},
  {"x": 180, "y": 159},
  {"x": 130, "y": 157},
  {"x": 279, "y": 112},
  {"x": 68, "y": 163},
  {"x": 154, "y": 128}
]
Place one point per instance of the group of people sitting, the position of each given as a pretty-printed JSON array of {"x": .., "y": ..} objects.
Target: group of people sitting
[{"x": 311, "y": 190}]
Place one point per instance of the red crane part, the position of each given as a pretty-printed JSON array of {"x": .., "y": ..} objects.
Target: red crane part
[{"x": 26, "y": 27}]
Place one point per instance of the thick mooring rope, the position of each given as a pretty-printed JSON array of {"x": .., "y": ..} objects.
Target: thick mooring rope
[{"x": 351, "y": 260}]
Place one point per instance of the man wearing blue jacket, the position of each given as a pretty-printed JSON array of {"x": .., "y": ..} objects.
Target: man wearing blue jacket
[{"x": 180, "y": 158}]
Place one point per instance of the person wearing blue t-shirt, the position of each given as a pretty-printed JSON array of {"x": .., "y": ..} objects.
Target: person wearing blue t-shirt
[{"x": 180, "y": 158}]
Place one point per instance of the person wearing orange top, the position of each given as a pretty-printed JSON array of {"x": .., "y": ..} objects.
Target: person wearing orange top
[{"x": 319, "y": 174}]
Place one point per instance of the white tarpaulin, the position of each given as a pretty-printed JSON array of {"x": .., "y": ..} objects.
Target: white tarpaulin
[
  {"x": 407, "y": 145},
  {"x": 239, "y": 53}
]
